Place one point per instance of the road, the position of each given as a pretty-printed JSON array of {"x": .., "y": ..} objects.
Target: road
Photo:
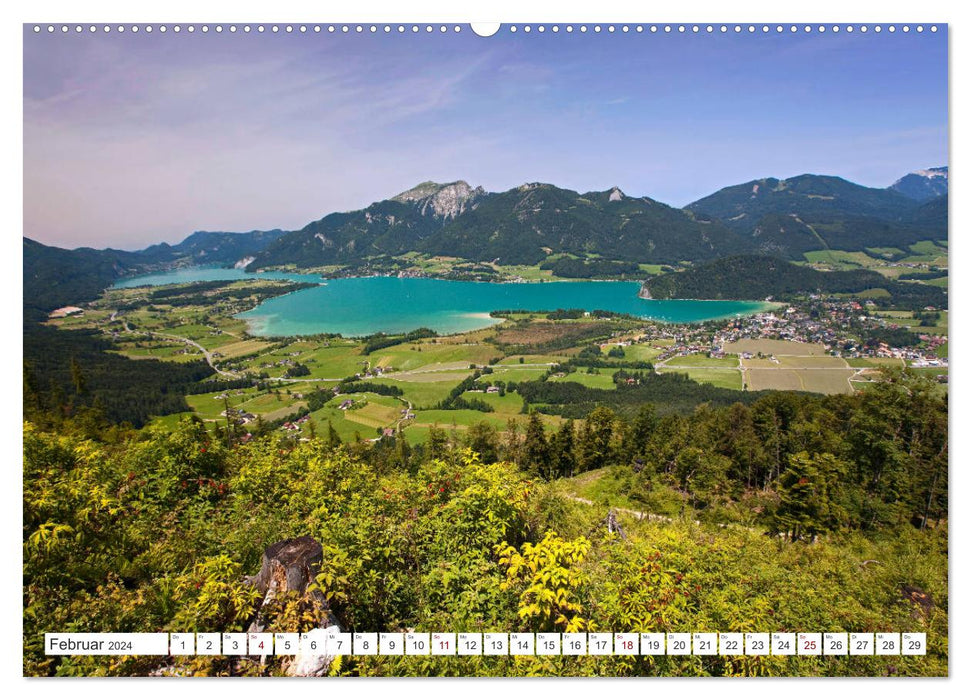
[{"x": 187, "y": 341}]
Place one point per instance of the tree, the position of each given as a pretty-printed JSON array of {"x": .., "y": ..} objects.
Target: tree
[
  {"x": 437, "y": 445},
  {"x": 77, "y": 377},
  {"x": 483, "y": 439},
  {"x": 637, "y": 435},
  {"x": 807, "y": 496},
  {"x": 333, "y": 439},
  {"x": 563, "y": 461},
  {"x": 535, "y": 452},
  {"x": 595, "y": 445}
]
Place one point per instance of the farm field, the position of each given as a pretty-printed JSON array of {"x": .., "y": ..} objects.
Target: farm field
[
  {"x": 510, "y": 403},
  {"x": 241, "y": 347},
  {"x": 906, "y": 318},
  {"x": 700, "y": 361},
  {"x": 795, "y": 362},
  {"x": 773, "y": 347},
  {"x": 515, "y": 373},
  {"x": 410, "y": 356},
  {"x": 643, "y": 352},
  {"x": 823, "y": 381},
  {"x": 594, "y": 381},
  {"x": 172, "y": 352},
  {"x": 874, "y": 362},
  {"x": 419, "y": 393},
  {"x": 721, "y": 377}
]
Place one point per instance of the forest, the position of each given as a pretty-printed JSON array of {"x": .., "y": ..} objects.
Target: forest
[
  {"x": 759, "y": 276},
  {"x": 794, "y": 512}
]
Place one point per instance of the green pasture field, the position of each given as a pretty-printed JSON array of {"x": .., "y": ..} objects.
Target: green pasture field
[
  {"x": 420, "y": 393},
  {"x": 774, "y": 347},
  {"x": 821, "y": 381},
  {"x": 725, "y": 378},
  {"x": 642, "y": 352},
  {"x": 510, "y": 404},
  {"x": 605, "y": 380},
  {"x": 698, "y": 360},
  {"x": 411, "y": 356},
  {"x": 514, "y": 373},
  {"x": 863, "y": 362}
]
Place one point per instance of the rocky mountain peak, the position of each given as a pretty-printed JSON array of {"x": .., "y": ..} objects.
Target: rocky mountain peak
[
  {"x": 923, "y": 185},
  {"x": 445, "y": 201}
]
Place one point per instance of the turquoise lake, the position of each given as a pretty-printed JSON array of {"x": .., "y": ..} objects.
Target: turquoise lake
[{"x": 359, "y": 306}]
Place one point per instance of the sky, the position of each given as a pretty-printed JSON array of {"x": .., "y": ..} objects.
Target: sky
[{"x": 134, "y": 139}]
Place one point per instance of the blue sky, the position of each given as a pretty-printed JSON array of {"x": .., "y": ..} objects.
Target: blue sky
[{"x": 134, "y": 139}]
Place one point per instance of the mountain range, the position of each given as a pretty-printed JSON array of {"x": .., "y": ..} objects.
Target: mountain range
[
  {"x": 527, "y": 224},
  {"x": 54, "y": 277},
  {"x": 923, "y": 185}
]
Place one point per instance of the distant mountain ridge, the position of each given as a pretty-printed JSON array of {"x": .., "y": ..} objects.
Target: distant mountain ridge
[
  {"x": 761, "y": 277},
  {"x": 923, "y": 185},
  {"x": 520, "y": 226},
  {"x": 812, "y": 212},
  {"x": 55, "y": 277},
  {"x": 527, "y": 224},
  {"x": 211, "y": 247}
]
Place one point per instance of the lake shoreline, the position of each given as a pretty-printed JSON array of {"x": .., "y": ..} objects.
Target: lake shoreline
[{"x": 354, "y": 307}]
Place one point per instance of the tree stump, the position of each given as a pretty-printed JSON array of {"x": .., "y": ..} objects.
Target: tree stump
[{"x": 291, "y": 566}]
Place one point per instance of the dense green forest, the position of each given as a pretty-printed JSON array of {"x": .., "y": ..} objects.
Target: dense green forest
[
  {"x": 826, "y": 514},
  {"x": 68, "y": 370},
  {"x": 790, "y": 217},
  {"x": 588, "y": 269},
  {"x": 759, "y": 277},
  {"x": 519, "y": 226},
  {"x": 672, "y": 392}
]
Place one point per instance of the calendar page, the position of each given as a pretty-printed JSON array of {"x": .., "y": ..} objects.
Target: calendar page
[{"x": 557, "y": 349}]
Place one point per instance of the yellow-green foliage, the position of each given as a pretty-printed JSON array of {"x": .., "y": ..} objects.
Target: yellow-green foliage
[
  {"x": 549, "y": 575},
  {"x": 156, "y": 531}
]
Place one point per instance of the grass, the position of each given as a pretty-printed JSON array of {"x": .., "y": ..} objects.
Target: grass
[
  {"x": 513, "y": 360},
  {"x": 510, "y": 404},
  {"x": 594, "y": 381},
  {"x": 885, "y": 252},
  {"x": 701, "y": 361},
  {"x": 515, "y": 374},
  {"x": 242, "y": 347},
  {"x": 420, "y": 393},
  {"x": 840, "y": 258},
  {"x": 642, "y": 352},
  {"x": 411, "y": 356},
  {"x": 797, "y": 362},
  {"x": 460, "y": 419},
  {"x": 605, "y": 487},
  {"x": 821, "y": 381},
  {"x": 928, "y": 248},
  {"x": 874, "y": 362},
  {"x": 774, "y": 347},
  {"x": 331, "y": 362},
  {"x": 725, "y": 378},
  {"x": 207, "y": 406}
]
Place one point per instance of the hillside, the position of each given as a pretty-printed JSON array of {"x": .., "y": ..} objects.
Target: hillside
[
  {"x": 813, "y": 212},
  {"x": 923, "y": 185},
  {"x": 759, "y": 277},
  {"x": 793, "y": 513},
  {"x": 56, "y": 277},
  {"x": 520, "y": 226},
  {"x": 211, "y": 248}
]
